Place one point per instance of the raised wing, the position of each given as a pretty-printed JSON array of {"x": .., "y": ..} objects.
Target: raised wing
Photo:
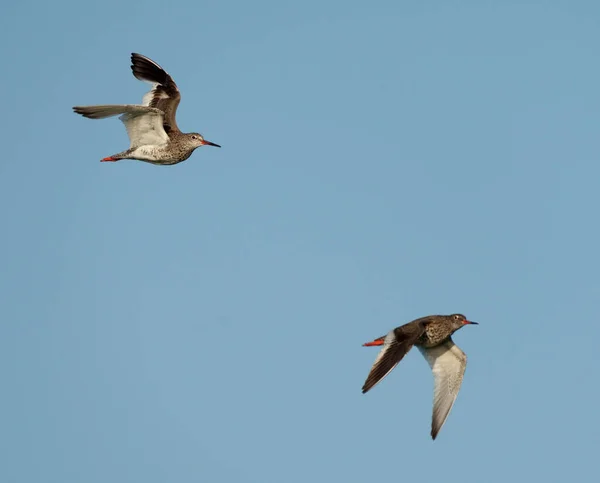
[
  {"x": 396, "y": 345},
  {"x": 448, "y": 364},
  {"x": 164, "y": 94}
]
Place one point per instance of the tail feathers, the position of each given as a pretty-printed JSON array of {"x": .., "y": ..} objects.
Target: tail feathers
[
  {"x": 145, "y": 69},
  {"x": 116, "y": 157}
]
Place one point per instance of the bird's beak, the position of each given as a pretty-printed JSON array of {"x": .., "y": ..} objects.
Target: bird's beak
[
  {"x": 208, "y": 143},
  {"x": 471, "y": 322}
]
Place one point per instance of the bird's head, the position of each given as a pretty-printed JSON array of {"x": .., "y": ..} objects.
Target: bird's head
[
  {"x": 196, "y": 140},
  {"x": 459, "y": 320}
]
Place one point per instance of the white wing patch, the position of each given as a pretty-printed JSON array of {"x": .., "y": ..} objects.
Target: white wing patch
[
  {"x": 448, "y": 364},
  {"x": 144, "y": 126},
  {"x": 151, "y": 94}
]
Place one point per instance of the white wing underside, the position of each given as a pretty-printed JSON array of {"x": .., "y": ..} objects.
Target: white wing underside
[
  {"x": 144, "y": 126},
  {"x": 448, "y": 364}
]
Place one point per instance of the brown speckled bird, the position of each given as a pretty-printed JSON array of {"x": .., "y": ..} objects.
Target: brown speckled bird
[
  {"x": 432, "y": 335},
  {"x": 151, "y": 126}
]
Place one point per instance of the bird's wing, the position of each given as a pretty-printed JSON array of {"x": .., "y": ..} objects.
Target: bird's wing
[
  {"x": 396, "y": 345},
  {"x": 144, "y": 124},
  {"x": 164, "y": 94},
  {"x": 448, "y": 364}
]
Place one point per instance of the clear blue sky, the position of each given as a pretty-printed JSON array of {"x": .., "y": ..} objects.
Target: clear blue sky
[{"x": 381, "y": 161}]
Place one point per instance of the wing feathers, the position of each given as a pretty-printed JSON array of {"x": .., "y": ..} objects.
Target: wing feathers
[
  {"x": 395, "y": 346},
  {"x": 144, "y": 124},
  {"x": 164, "y": 94},
  {"x": 109, "y": 110},
  {"x": 448, "y": 364}
]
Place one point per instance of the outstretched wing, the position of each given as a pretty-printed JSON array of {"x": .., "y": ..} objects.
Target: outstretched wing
[
  {"x": 448, "y": 364},
  {"x": 164, "y": 94},
  {"x": 396, "y": 345},
  {"x": 144, "y": 124}
]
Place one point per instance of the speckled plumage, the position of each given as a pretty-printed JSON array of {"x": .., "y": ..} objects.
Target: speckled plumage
[
  {"x": 151, "y": 126},
  {"x": 433, "y": 337},
  {"x": 438, "y": 328}
]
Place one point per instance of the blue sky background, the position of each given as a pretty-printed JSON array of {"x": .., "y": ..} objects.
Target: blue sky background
[{"x": 381, "y": 161}]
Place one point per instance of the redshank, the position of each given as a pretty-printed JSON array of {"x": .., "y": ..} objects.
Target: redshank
[
  {"x": 432, "y": 335},
  {"x": 151, "y": 126}
]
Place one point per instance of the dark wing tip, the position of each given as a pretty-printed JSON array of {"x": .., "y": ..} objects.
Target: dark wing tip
[
  {"x": 146, "y": 69},
  {"x": 378, "y": 372},
  {"x": 435, "y": 429},
  {"x": 135, "y": 57},
  {"x": 370, "y": 382}
]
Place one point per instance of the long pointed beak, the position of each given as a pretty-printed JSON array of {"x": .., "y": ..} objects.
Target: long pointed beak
[
  {"x": 208, "y": 143},
  {"x": 471, "y": 322}
]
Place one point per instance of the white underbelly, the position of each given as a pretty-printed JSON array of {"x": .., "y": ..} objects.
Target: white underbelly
[{"x": 149, "y": 153}]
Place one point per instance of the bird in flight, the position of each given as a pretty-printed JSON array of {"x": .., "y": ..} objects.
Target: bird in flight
[
  {"x": 433, "y": 337},
  {"x": 151, "y": 126}
]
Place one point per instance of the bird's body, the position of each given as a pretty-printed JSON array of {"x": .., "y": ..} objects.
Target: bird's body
[
  {"x": 151, "y": 126},
  {"x": 432, "y": 336}
]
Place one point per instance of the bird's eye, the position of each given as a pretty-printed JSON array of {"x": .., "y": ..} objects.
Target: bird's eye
[
  {"x": 194, "y": 137},
  {"x": 457, "y": 317}
]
